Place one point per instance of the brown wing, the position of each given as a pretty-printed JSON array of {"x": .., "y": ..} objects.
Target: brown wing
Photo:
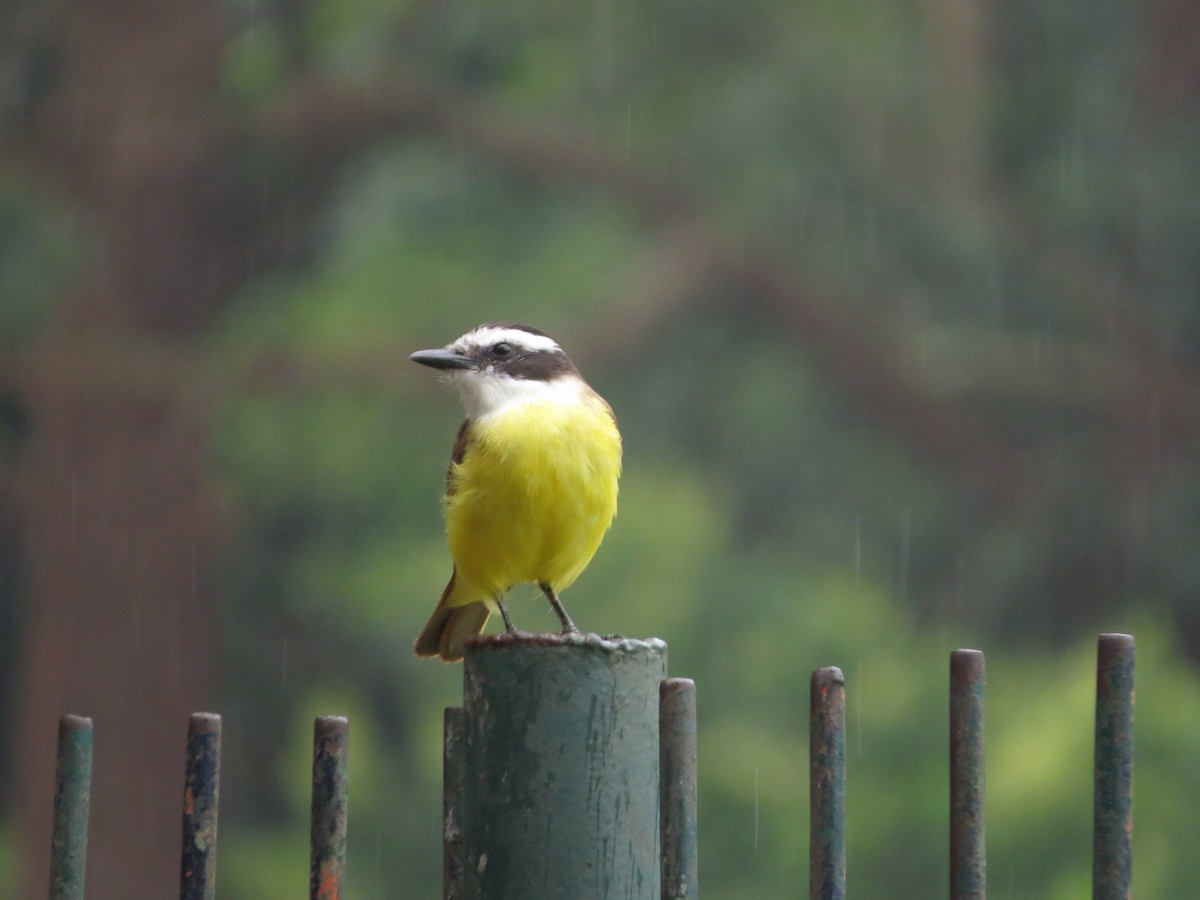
[
  {"x": 457, "y": 454},
  {"x": 449, "y": 627}
]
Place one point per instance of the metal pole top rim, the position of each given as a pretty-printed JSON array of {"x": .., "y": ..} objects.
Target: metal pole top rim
[
  {"x": 613, "y": 644},
  {"x": 204, "y": 723},
  {"x": 71, "y": 723},
  {"x": 828, "y": 675}
]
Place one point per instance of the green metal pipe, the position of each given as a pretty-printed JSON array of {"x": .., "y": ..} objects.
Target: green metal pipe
[
  {"x": 968, "y": 855},
  {"x": 72, "y": 798},
  {"x": 201, "y": 794},
  {"x": 561, "y": 767},
  {"x": 1112, "y": 836},
  {"x": 827, "y": 785},
  {"x": 330, "y": 793},
  {"x": 677, "y": 773}
]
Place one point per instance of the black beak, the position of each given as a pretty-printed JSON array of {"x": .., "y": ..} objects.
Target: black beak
[{"x": 442, "y": 359}]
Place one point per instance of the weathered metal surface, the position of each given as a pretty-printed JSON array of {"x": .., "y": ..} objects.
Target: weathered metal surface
[
  {"x": 1112, "y": 839},
  {"x": 201, "y": 793},
  {"x": 677, "y": 773},
  {"x": 561, "y": 758},
  {"x": 827, "y": 786},
  {"x": 453, "y": 726},
  {"x": 968, "y": 856},
  {"x": 72, "y": 798},
  {"x": 330, "y": 792}
]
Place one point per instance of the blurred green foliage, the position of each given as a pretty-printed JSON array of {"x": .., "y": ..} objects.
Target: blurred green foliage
[{"x": 977, "y": 196}]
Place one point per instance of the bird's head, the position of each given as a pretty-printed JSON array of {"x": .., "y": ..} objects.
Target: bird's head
[{"x": 502, "y": 363}]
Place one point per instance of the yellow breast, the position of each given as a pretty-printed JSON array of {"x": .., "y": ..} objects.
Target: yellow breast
[{"x": 533, "y": 495}]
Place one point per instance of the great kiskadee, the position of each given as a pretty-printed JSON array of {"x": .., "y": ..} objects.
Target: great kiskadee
[{"x": 532, "y": 484}]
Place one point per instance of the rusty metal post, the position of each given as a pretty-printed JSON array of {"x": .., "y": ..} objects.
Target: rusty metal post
[
  {"x": 1112, "y": 838},
  {"x": 330, "y": 792},
  {"x": 677, "y": 774},
  {"x": 72, "y": 798},
  {"x": 968, "y": 855},
  {"x": 453, "y": 726},
  {"x": 561, "y": 767},
  {"x": 827, "y": 785},
  {"x": 201, "y": 793}
]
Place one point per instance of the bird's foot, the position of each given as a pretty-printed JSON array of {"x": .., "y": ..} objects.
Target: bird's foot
[{"x": 508, "y": 625}]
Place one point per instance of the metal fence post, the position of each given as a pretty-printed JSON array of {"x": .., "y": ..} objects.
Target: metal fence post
[
  {"x": 330, "y": 793},
  {"x": 561, "y": 775},
  {"x": 677, "y": 771},
  {"x": 827, "y": 785},
  {"x": 968, "y": 857},
  {"x": 72, "y": 796},
  {"x": 201, "y": 793},
  {"x": 1112, "y": 838},
  {"x": 453, "y": 735}
]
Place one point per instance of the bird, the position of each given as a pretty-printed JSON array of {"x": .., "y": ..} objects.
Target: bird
[{"x": 531, "y": 489}]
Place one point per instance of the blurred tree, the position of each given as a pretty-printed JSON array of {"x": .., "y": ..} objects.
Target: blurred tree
[{"x": 119, "y": 119}]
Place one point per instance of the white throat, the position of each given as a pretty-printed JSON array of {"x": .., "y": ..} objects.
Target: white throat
[{"x": 486, "y": 393}]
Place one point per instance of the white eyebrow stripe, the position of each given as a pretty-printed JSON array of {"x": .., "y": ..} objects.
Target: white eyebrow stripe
[{"x": 485, "y": 337}]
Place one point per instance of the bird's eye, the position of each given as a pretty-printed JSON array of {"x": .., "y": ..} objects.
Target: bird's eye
[{"x": 502, "y": 349}]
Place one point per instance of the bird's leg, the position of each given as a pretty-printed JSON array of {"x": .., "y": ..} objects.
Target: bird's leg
[
  {"x": 508, "y": 625},
  {"x": 559, "y": 609}
]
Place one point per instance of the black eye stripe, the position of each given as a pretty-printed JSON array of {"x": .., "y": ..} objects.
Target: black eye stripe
[{"x": 539, "y": 366}]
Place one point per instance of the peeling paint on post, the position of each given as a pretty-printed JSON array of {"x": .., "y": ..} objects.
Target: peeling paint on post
[
  {"x": 561, "y": 750},
  {"x": 330, "y": 793},
  {"x": 201, "y": 793},
  {"x": 968, "y": 859},
  {"x": 1112, "y": 838},
  {"x": 72, "y": 797},
  {"x": 827, "y": 785},
  {"x": 677, "y": 771}
]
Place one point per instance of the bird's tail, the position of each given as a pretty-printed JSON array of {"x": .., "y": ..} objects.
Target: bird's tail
[{"x": 449, "y": 627}]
